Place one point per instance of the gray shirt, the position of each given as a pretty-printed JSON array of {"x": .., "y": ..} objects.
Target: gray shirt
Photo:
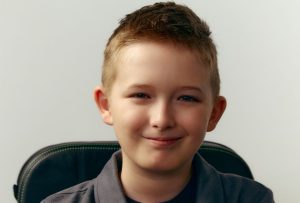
[{"x": 212, "y": 187}]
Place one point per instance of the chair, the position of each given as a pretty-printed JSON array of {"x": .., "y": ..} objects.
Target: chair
[{"x": 60, "y": 166}]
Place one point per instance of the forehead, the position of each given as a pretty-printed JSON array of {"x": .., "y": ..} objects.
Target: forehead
[
  {"x": 149, "y": 60},
  {"x": 165, "y": 47},
  {"x": 158, "y": 52}
]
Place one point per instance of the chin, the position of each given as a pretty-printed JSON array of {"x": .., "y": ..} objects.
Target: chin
[{"x": 163, "y": 166}]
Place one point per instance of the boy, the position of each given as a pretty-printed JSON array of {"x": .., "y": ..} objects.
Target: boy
[{"x": 160, "y": 92}]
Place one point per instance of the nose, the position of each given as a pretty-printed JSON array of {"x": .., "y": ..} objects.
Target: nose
[{"x": 162, "y": 116}]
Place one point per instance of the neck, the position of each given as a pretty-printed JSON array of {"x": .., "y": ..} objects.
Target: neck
[{"x": 153, "y": 186}]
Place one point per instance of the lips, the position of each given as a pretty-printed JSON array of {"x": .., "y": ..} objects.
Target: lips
[
  {"x": 163, "y": 138},
  {"x": 163, "y": 141}
]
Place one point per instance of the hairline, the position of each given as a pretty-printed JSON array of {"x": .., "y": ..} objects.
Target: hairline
[{"x": 111, "y": 64}]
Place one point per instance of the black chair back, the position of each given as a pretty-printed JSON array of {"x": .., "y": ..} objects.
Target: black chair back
[{"x": 60, "y": 166}]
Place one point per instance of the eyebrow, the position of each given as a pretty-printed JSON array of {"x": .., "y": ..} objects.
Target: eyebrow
[
  {"x": 144, "y": 86},
  {"x": 139, "y": 86},
  {"x": 192, "y": 88}
]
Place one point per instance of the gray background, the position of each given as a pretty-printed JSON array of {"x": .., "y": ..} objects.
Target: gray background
[{"x": 50, "y": 58}]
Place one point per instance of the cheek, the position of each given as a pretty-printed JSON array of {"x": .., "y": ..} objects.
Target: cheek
[
  {"x": 129, "y": 120},
  {"x": 195, "y": 121}
]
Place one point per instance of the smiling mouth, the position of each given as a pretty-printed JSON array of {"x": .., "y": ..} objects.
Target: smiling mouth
[{"x": 163, "y": 141}]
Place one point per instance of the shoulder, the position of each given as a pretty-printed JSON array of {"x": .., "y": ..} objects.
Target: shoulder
[
  {"x": 214, "y": 186},
  {"x": 98, "y": 189},
  {"x": 244, "y": 189},
  {"x": 83, "y": 192}
]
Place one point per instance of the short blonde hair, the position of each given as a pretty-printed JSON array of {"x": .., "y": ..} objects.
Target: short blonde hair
[{"x": 162, "y": 22}]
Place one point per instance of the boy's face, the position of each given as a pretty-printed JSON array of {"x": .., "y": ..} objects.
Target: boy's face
[{"x": 160, "y": 105}]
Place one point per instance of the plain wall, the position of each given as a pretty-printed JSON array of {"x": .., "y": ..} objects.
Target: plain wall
[{"x": 50, "y": 58}]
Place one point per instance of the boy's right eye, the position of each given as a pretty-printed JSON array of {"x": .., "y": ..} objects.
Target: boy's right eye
[{"x": 140, "y": 95}]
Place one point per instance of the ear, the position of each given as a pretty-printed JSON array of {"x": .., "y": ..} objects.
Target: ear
[
  {"x": 102, "y": 102},
  {"x": 217, "y": 112}
]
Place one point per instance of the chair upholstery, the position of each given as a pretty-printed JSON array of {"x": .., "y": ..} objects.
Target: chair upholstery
[{"x": 60, "y": 166}]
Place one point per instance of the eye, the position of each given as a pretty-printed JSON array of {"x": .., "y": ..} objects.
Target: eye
[
  {"x": 188, "y": 98},
  {"x": 140, "y": 95}
]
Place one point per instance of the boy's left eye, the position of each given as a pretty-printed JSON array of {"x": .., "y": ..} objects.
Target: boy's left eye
[{"x": 188, "y": 98}]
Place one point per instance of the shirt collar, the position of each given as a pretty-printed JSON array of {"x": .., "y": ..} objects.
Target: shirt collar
[{"x": 108, "y": 188}]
